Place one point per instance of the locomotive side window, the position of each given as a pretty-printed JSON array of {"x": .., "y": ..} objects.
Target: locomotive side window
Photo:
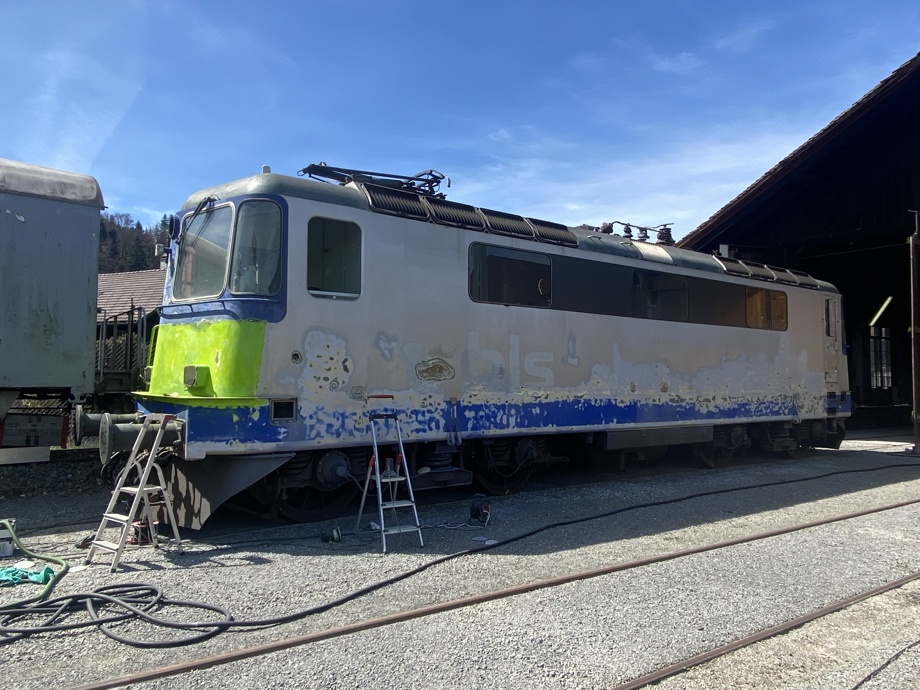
[
  {"x": 591, "y": 287},
  {"x": 766, "y": 309},
  {"x": 333, "y": 258},
  {"x": 256, "y": 265},
  {"x": 204, "y": 245},
  {"x": 510, "y": 276},
  {"x": 501, "y": 275},
  {"x": 715, "y": 303},
  {"x": 659, "y": 296}
]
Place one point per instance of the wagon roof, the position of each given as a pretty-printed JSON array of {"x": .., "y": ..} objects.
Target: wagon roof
[{"x": 48, "y": 183}]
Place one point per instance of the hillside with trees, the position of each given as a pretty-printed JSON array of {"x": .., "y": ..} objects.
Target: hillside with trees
[{"x": 125, "y": 245}]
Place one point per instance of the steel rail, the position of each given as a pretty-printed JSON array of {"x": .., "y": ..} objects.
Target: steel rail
[
  {"x": 681, "y": 666},
  {"x": 474, "y": 600}
]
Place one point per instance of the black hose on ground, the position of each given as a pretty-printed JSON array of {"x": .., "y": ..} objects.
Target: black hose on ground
[{"x": 140, "y": 600}]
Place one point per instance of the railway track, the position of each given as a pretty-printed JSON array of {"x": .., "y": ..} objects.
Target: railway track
[
  {"x": 465, "y": 602},
  {"x": 549, "y": 584},
  {"x": 352, "y": 626}
]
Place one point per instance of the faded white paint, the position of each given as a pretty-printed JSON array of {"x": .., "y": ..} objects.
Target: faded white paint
[{"x": 421, "y": 313}]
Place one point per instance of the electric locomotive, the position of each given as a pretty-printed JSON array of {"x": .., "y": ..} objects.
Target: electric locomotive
[{"x": 294, "y": 307}]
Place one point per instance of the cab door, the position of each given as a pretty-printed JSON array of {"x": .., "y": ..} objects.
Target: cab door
[{"x": 831, "y": 339}]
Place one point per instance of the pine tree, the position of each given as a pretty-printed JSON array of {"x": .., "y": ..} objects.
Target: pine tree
[{"x": 125, "y": 245}]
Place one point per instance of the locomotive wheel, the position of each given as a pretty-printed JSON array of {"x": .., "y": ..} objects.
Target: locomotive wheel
[
  {"x": 799, "y": 453},
  {"x": 711, "y": 455},
  {"x": 260, "y": 498},
  {"x": 309, "y": 504},
  {"x": 499, "y": 475},
  {"x": 113, "y": 468}
]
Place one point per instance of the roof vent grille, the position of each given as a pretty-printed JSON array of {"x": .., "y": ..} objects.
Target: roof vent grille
[
  {"x": 553, "y": 232},
  {"x": 395, "y": 201},
  {"x": 507, "y": 224}
]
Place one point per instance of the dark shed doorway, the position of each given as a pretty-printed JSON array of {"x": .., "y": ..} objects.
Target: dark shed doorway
[{"x": 838, "y": 207}]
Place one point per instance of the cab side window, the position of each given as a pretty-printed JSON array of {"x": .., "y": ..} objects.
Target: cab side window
[{"x": 333, "y": 258}]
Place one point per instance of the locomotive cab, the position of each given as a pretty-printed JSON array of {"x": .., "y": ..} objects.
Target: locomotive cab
[{"x": 225, "y": 282}]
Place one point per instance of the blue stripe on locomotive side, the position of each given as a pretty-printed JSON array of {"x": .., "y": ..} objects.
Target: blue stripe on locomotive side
[
  {"x": 252, "y": 426},
  {"x": 839, "y": 405}
]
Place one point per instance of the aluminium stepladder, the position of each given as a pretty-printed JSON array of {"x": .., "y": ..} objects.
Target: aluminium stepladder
[
  {"x": 143, "y": 497},
  {"x": 394, "y": 475}
]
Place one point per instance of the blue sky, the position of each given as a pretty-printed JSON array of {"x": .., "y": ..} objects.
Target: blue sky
[{"x": 576, "y": 112}]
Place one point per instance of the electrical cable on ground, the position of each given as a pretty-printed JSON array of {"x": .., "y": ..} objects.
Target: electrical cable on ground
[
  {"x": 674, "y": 669},
  {"x": 885, "y": 665},
  {"x": 88, "y": 601},
  {"x": 89, "y": 520}
]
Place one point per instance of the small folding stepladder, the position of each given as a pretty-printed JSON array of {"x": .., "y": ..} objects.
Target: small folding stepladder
[
  {"x": 144, "y": 497},
  {"x": 394, "y": 475}
]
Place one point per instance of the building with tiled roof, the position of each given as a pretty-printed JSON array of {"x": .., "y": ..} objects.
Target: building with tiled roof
[
  {"x": 126, "y": 312},
  {"x": 119, "y": 292}
]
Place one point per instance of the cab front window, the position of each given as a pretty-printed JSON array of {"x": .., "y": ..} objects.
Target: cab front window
[
  {"x": 246, "y": 239},
  {"x": 256, "y": 265},
  {"x": 201, "y": 264}
]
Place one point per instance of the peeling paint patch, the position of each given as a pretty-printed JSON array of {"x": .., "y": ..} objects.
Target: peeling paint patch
[
  {"x": 387, "y": 345},
  {"x": 571, "y": 358},
  {"x": 324, "y": 422},
  {"x": 434, "y": 370},
  {"x": 443, "y": 351},
  {"x": 328, "y": 367}
]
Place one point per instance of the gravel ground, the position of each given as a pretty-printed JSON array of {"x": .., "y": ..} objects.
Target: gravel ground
[
  {"x": 590, "y": 634},
  {"x": 78, "y": 474}
]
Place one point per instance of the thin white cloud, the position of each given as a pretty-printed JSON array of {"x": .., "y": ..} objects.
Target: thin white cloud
[
  {"x": 527, "y": 139},
  {"x": 150, "y": 217},
  {"x": 584, "y": 61},
  {"x": 683, "y": 63},
  {"x": 78, "y": 104},
  {"x": 684, "y": 185},
  {"x": 743, "y": 38},
  {"x": 223, "y": 43}
]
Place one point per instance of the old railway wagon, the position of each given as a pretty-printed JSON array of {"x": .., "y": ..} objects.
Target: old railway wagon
[
  {"x": 49, "y": 245},
  {"x": 292, "y": 304}
]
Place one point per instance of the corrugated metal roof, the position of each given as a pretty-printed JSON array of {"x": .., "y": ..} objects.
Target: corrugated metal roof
[
  {"x": 117, "y": 290},
  {"x": 805, "y": 153}
]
